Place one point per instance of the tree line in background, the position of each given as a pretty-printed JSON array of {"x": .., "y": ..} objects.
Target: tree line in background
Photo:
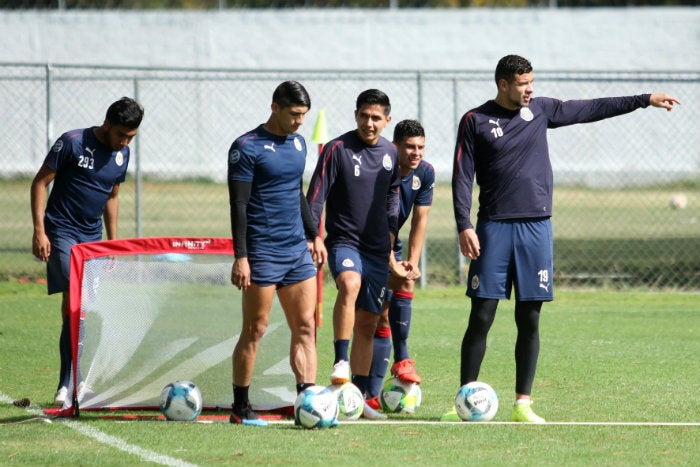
[{"x": 378, "y": 4}]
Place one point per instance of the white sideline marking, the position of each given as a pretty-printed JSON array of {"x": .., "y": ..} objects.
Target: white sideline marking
[
  {"x": 113, "y": 441},
  {"x": 436, "y": 422}
]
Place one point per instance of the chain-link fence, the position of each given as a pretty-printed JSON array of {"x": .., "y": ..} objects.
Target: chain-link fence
[{"x": 613, "y": 221}]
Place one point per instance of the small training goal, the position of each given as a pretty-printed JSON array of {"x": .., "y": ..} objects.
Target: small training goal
[{"x": 148, "y": 311}]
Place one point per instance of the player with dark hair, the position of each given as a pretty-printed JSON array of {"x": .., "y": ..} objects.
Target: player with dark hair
[
  {"x": 276, "y": 243},
  {"x": 86, "y": 167},
  {"x": 504, "y": 144},
  {"x": 358, "y": 177},
  {"x": 416, "y": 195}
]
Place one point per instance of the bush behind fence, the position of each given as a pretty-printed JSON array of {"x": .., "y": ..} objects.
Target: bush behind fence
[{"x": 612, "y": 220}]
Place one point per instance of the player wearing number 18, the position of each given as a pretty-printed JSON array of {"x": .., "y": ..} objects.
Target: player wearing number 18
[{"x": 503, "y": 143}]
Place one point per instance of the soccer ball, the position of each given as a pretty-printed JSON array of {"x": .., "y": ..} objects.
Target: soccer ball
[
  {"x": 350, "y": 401},
  {"x": 400, "y": 397},
  {"x": 316, "y": 407},
  {"x": 679, "y": 201},
  {"x": 181, "y": 401},
  {"x": 476, "y": 402}
]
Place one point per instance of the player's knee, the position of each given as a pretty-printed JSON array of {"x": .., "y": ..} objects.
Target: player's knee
[
  {"x": 349, "y": 283},
  {"x": 257, "y": 329}
]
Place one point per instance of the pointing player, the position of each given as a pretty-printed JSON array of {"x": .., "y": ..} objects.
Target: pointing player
[
  {"x": 86, "y": 167},
  {"x": 416, "y": 194},
  {"x": 358, "y": 177},
  {"x": 276, "y": 243},
  {"x": 504, "y": 144}
]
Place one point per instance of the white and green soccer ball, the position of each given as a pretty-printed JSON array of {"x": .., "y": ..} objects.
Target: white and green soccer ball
[
  {"x": 400, "y": 397},
  {"x": 351, "y": 403}
]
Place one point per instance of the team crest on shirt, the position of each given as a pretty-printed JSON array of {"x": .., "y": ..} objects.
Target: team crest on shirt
[
  {"x": 475, "y": 282},
  {"x": 348, "y": 263},
  {"x": 386, "y": 162},
  {"x": 297, "y": 143},
  {"x": 415, "y": 183},
  {"x": 526, "y": 114},
  {"x": 119, "y": 158},
  {"x": 58, "y": 146},
  {"x": 234, "y": 156}
]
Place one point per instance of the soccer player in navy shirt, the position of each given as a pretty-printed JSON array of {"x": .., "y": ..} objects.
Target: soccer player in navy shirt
[
  {"x": 86, "y": 167},
  {"x": 416, "y": 196},
  {"x": 358, "y": 177},
  {"x": 276, "y": 243},
  {"x": 503, "y": 143}
]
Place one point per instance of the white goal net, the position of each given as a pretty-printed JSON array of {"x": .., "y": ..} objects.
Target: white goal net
[{"x": 149, "y": 311}]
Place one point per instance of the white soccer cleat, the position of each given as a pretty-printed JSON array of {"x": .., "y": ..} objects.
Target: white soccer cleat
[
  {"x": 60, "y": 396},
  {"x": 370, "y": 414},
  {"x": 341, "y": 372}
]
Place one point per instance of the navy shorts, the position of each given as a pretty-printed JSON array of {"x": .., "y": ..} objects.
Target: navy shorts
[
  {"x": 373, "y": 270},
  {"x": 282, "y": 271},
  {"x": 513, "y": 253},
  {"x": 58, "y": 266}
]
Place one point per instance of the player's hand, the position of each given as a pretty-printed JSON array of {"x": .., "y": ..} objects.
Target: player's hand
[
  {"x": 319, "y": 252},
  {"x": 469, "y": 244},
  {"x": 41, "y": 246},
  {"x": 240, "y": 273},
  {"x": 414, "y": 272},
  {"x": 401, "y": 269},
  {"x": 664, "y": 101}
]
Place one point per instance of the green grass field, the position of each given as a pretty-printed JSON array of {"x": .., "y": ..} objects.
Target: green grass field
[{"x": 618, "y": 379}]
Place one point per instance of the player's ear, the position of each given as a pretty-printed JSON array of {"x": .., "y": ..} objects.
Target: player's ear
[{"x": 274, "y": 107}]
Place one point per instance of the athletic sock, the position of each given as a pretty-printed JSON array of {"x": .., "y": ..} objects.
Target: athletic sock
[
  {"x": 240, "y": 396},
  {"x": 341, "y": 350},
  {"x": 361, "y": 382},
  {"x": 400, "y": 322},
  {"x": 381, "y": 356},
  {"x": 302, "y": 386}
]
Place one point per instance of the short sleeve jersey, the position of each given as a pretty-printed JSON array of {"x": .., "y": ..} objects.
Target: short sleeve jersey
[
  {"x": 506, "y": 150},
  {"x": 274, "y": 165},
  {"x": 86, "y": 172},
  {"x": 360, "y": 185},
  {"x": 416, "y": 190}
]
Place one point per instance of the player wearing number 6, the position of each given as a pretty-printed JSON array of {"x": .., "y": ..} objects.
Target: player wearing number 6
[{"x": 504, "y": 144}]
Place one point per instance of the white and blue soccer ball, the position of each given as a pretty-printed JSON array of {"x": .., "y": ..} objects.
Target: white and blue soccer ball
[
  {"x": 181, "y": 401},
  {"x": 400, "y": 397},
  {"x": 316, "y": 407},
  {"x": 476, "y": 402},
  {"x": 350, "y": 401}
]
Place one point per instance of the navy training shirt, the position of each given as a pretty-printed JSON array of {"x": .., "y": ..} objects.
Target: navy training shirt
[
  {"x": 274, "y": 165},
  {"x": 86, "y": 172},
  {"x": 360, "y": 185},
  {"x": 507, "y": 151},
  {"x": 416, "y": 190}
]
